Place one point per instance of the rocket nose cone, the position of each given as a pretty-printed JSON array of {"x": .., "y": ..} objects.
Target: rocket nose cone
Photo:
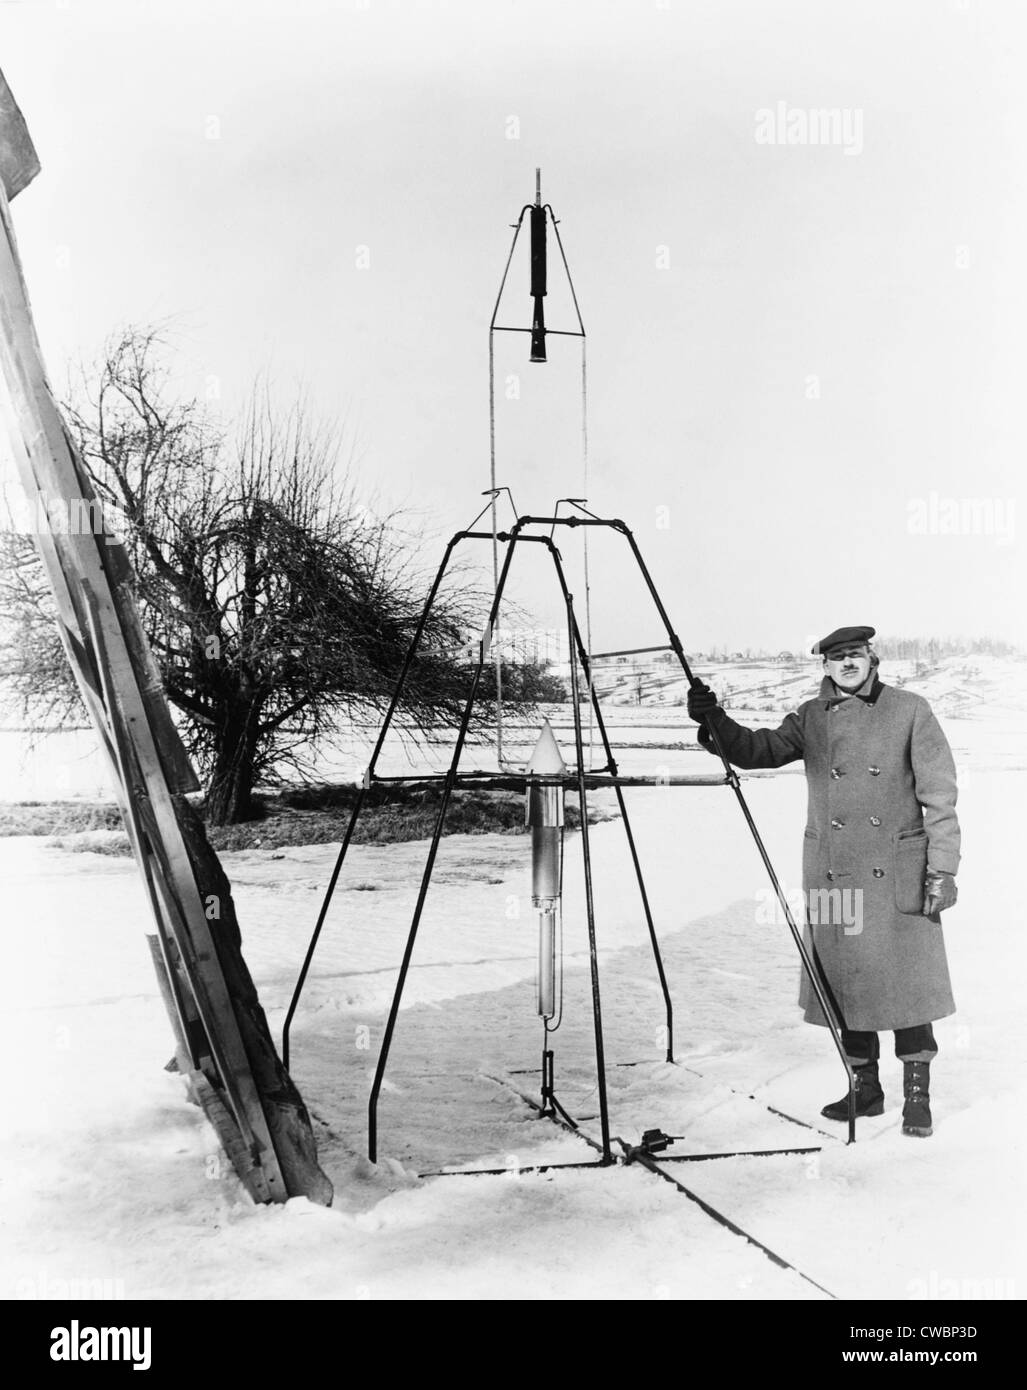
[{"x": 546, "y": 759}]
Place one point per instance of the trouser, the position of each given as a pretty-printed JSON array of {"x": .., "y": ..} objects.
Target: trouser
[{"x": 911, "y": 1045}]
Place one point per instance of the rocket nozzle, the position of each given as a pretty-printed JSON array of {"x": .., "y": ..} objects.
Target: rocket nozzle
[{"x": 538, "y": 335}]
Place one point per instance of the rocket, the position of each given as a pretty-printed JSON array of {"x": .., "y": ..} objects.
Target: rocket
[
  {"x": 538, "y": 276},
  {"x": 544, "y": 810}
]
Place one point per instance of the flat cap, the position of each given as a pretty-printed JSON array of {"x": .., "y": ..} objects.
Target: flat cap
[{"x": 841, "y": 637}]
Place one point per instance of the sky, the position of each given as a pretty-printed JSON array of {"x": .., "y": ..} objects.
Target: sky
[{"x": 805, "y": 356}]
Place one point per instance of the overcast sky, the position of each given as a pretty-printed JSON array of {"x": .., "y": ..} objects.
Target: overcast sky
[{"x": 797, "y": 351}]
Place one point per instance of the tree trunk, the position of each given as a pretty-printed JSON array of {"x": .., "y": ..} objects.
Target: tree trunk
[{"x": 230, "y": 793}]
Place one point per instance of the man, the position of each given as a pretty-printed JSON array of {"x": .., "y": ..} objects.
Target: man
[{"x": 882, "y": 830}]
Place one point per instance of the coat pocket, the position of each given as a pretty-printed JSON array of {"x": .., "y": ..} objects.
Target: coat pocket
[
  {"x": 810, "y": 858},
  {"x": 910, "y": 870}
]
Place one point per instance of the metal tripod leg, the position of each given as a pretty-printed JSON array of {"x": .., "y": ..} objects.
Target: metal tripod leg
[
  {"x": 358, "y": 805},
  {"x": 447, "y": 789},
  {"x": 315, "y": 935},
  {"x": 593, "y": 958},
  {"x": 622, "y": 806},
  {"x": 820, "y": 985}
]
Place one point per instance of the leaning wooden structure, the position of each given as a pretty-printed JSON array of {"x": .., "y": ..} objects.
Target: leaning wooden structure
[{"x": 222, "y": 1041}]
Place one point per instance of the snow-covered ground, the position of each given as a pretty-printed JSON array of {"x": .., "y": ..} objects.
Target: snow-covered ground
[{"x": 113, "y": 1183}]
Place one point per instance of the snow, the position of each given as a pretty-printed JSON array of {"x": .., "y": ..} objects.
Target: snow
[{"x": 112, "y": 1182}]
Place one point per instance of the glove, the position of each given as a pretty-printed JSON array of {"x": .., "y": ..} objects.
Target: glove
[
  {"x": 939, "y": 892},
  {"x": 701, "y": 700}
]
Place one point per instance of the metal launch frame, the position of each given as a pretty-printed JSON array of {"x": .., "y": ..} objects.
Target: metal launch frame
[{"x": 524, "y": 532}]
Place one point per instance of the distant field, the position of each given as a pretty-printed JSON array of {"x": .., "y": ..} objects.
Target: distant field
[
  {"x": 981, "y": 700},
  {"x": 960, "y": 686}
]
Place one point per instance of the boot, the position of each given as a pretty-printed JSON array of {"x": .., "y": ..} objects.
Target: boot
[
  {"x": 869, "y": 1096},
  {"x": 916, "y": 1113}
]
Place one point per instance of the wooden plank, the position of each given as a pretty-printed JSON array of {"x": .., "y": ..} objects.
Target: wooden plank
[
  {"x": 86, "y": 670},
  {"x": 59, "y": 480},
  {"x": 108, "y": 650},
  {"x": 199, "y": 957},
  {"x": 19, "y": 163},
  {"x": 126, "y": 780}
]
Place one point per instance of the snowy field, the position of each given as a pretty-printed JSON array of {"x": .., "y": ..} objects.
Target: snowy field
[{"x": 113, "y": 1183}]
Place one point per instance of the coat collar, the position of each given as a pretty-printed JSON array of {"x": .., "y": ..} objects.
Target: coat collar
[{"x": 829, "y": 691}]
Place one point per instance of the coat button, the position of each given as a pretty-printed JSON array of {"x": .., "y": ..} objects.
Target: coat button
[
  {"x": 878, "y": 873},
  {"x": 837, "y": 824},
  {"x": 875, "y": 820},
  {"x": 874, "y": 771},
  {"x": 830, "y": 875},
  {"x": 837, "y": 774}
]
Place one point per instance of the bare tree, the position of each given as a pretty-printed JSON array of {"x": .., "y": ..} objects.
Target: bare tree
[
  {"x": 277, "y": 605},
  {"x": 34, "y": 672},
  {"x": 274, "y": 602}
]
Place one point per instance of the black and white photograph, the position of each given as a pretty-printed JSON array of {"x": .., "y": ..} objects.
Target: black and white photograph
[{"x": 513, "y": 661}]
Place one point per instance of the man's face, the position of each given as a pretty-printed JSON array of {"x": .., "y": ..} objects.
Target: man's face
[{"x": 848, "y": 666}]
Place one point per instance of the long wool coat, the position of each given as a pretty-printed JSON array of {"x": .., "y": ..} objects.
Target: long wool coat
[{"x": 882, "y": 796}]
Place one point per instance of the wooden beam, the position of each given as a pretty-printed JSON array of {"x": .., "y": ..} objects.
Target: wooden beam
[{"x": 221, "y": 1033}]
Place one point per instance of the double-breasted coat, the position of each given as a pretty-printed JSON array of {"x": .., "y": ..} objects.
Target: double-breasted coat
[{"x": 882, "y": 798}]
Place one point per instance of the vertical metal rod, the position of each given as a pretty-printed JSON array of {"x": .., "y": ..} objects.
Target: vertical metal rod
[
  {"x": 495, "y": 525},
  {"x": 611, "y": 763},
  {"x": 584, "y": 425},
  {"x": 593, "y": 958},
  {"x": 813, "y": 969},
  {"x": 584, "y": 489},
  {"x": 447, "y": 789},
  {"x": 492, "y": 467}
]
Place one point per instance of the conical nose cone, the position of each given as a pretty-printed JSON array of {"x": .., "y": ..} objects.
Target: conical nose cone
[{"x": 546, "y": 759}]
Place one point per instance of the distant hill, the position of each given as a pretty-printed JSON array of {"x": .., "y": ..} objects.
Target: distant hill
[{"x": 957, "y": 686}]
